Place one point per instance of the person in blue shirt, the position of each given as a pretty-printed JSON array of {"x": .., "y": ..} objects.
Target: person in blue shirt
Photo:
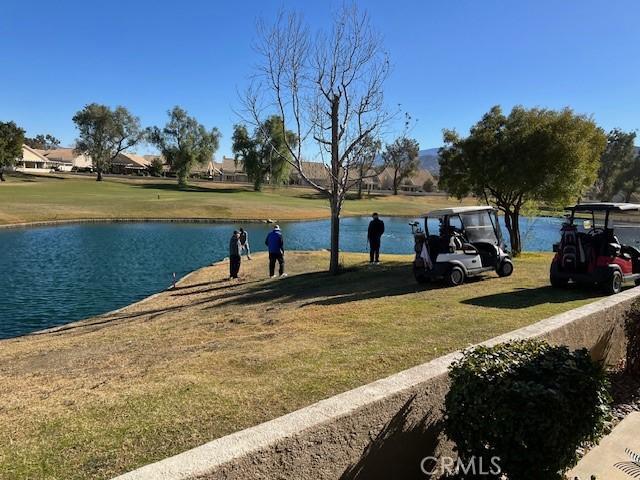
[{"x": 275, "y": 245}]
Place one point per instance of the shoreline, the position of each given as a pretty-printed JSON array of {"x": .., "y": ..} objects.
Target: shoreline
[{"x": 196, "y": 220}]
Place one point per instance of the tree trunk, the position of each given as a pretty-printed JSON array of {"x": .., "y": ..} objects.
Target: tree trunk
[
  {"x": 2, "y": 175},
  {"x": 360, "y": 189},
  {"x": 99, "y": 177},
  {"x": 512, "y": 221},
  {"x": 395, "y": 182},
  {"x": 334, "y": 262}
]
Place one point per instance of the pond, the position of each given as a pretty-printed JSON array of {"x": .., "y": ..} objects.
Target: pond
[{"x": 55, "y": 275}]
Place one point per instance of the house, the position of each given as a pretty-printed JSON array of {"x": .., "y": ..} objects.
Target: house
[
  {"x": 232, "y": 172},
  {"x": 130, "y": 163},
  {"x": 34, "y": 161},
  {"x": 208, "y": 170},
  {"x": 414, "y": 183},
  {"x": 68, "y": 158},
  {"x": 317, "y": 172}
]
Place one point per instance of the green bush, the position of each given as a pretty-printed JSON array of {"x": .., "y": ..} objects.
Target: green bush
[
  {"x": 528, "y": 403},
  {"x": 632, "y": 329}
]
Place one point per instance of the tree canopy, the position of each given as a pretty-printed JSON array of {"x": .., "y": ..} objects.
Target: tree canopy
[
  {"x": 105, "y": 133},
  {"x": 616, "y": 164},
  {"x": 402, "y": 157},
  {"x": 42, "y": 142},
  {"x": 184, "y": 142},
  {"x": 366, "y": 159},
  {"x": 265, "y": 155},
  {"x": 11, "y": 140},
  {"x": 532, "y": 155}
]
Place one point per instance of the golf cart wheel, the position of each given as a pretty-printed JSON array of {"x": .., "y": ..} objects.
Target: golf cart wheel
[
  {"x": 455, "y": 276},
  {"x": 506, "y": 268},
  {"x": 555, "y": 280},
  {"x": 613, "y": 284}
]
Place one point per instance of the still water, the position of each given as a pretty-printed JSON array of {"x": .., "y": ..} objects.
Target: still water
[{"x": 55, "y": 275}]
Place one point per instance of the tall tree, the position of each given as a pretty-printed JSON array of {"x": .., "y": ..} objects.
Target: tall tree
[
  {"x": 530, "y": 156},
  {"x": 615, "y": 162},
  {"x": 265, "y": 154},
  {"x": 366, "y": 159},
  {"x": 184, "y": 143},
  {"x": 105, "y": 133},
  {"x": 628, "y": 179},
  {"x": 402, "y": 157},
  {"x": 42, "y": 142},
  {"x": 328, "y": 89},
  {"x": 11, "y": 140}
]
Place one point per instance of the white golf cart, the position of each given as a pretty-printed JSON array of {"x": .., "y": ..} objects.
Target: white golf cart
[{"x": 468, "y": 242}]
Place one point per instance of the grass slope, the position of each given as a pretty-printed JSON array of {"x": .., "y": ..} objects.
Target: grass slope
[
  {"x": 28, "y": 198},
  {"x": 214, "y": 356}
]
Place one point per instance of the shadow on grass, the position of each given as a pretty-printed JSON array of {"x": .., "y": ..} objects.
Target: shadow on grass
[
  {"x": 322, "y": 288},
  {"x": 530, "y": 297},
  {"x": 191, "y": 188},
  {"x": 398, "y": 450}
]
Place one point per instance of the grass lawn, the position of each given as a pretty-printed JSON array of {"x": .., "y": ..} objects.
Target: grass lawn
[
  {"x": 214, "y": 356},
  {"x": 29, "y": 198}
]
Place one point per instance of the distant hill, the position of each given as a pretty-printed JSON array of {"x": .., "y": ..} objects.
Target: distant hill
[{"x": 429, "y": 160}]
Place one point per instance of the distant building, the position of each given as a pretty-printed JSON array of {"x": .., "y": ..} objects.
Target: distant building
[
  {"x": 130, "y": 163},
  {"x": 33, "y": 161},
  {"x": 316, "y": 172},
  {"x": 68, "y": 158},
  {"x": 231, "y": 172}
]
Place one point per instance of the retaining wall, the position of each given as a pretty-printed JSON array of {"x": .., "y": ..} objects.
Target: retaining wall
[{"x": 381, "y": 430}]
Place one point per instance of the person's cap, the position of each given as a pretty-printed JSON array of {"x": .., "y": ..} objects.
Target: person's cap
[
  {"x": 241, "y": 229},
  {"x": 276, "y": 227},
  {"x": 375, "y": 214},
  {"x": 235, "y": 232}
]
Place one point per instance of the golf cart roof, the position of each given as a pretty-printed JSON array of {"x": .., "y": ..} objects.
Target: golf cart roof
[
  {"x": 456, "y": 210},
  {"x": 604, "y": 207}
]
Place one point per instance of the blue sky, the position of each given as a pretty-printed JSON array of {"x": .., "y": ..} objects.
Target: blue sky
[{"x": 452, "y": 59}]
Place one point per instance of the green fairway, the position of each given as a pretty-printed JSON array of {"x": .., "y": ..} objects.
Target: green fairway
[
  {"x": 214, "y": 356},
  {"x": 27, "y": 198}
]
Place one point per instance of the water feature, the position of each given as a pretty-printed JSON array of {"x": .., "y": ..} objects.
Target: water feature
[{"x": 55, "y": 275}]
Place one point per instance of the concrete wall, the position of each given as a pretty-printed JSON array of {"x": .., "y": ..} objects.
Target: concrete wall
[{"x": 381, "y": 430}]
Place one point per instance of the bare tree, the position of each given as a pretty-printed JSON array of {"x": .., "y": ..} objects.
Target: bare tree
[{"x": 328, "y": 89}]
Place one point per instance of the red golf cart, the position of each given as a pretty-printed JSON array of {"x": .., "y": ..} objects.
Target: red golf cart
[{"x": 598, "y": 245}]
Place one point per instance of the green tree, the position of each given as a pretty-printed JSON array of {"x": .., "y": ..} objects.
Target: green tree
[
  {"x": 11, "y": 140},
  {"x": 365, "y": 160},
  {"x": 42, "y": 142},
  {"x": 402, "y": 157},
  {"x": 156, "y": 167},
  {"x": 535, "y": 155},
  {"x": 184, "y": 143},
  {"x": 628, "y": 180},
  {"x": 265, "y": 154},
  {"x": 105, "y": 133},
  {"x": 616, "y": 161},
  {"x": 429, "y": 185}
]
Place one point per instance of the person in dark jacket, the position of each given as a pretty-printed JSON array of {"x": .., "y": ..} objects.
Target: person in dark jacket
[
  {"x": 275, "y": 245},
  {"x": 374, "y": 234},
  {"x": 234, "y": 254}
]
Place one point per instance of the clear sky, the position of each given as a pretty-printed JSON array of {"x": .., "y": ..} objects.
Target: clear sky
[{"x": 452, "y": 59}]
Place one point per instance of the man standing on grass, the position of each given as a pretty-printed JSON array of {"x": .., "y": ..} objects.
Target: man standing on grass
[
  {"x": 275, "y": 245},
  {"x": 234, "y": 255},
  {"x": 244, "y": 243},
  {"x": 374, "y": 234}
]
